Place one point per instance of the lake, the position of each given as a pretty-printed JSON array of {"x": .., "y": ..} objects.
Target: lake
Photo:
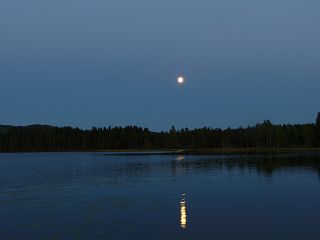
[{"x": 118, "y": 196}]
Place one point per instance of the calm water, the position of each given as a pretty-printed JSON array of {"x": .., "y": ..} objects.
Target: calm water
[{"x": 96, "y": 196}]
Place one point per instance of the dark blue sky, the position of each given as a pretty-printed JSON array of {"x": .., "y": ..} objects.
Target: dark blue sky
[{"x": 115, "y": 62}]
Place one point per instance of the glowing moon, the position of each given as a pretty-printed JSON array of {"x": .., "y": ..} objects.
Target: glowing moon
[{"x": 180, "y": 80}]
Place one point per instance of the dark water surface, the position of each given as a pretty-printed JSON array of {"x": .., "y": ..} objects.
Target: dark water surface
[{"x": 97, "y": 196}]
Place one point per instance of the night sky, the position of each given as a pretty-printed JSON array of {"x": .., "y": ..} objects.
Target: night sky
[{"x": 115, "y": 62}]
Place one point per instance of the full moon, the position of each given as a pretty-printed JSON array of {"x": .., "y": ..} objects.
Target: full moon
[{"x": 180, "y": 80}]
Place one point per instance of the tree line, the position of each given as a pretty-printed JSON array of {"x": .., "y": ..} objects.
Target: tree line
[{"x": 262, "y": 135}]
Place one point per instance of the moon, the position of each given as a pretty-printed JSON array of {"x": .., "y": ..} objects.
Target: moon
[{"x": 180, "y": 80}]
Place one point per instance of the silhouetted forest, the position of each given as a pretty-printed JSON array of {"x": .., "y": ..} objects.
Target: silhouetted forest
[{"x": 262, "y": 135}]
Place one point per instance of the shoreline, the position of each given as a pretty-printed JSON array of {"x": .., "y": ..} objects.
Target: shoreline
[{"x": 200, "y": 151}]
